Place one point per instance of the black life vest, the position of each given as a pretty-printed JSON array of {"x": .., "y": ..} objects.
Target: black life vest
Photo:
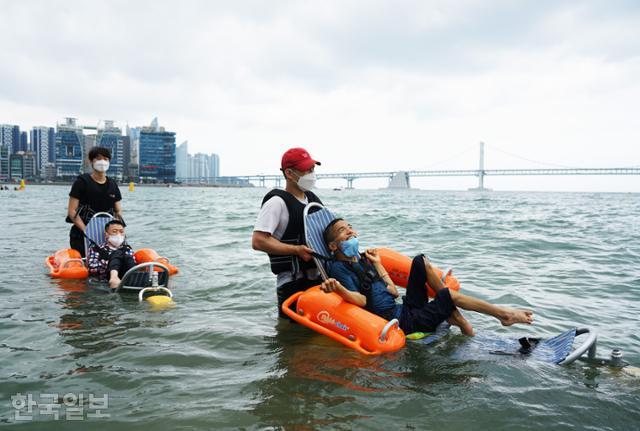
[{"x": 294, "y": 232}]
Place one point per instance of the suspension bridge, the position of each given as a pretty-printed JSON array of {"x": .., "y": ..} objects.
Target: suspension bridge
[{"x": 401, "y": 179}]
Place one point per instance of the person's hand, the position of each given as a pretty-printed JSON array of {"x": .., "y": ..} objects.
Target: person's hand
[
  {"x": 304, "y": 252},
  {"x": 372, "y": 255},
  {"x": 330, "y": 285}
]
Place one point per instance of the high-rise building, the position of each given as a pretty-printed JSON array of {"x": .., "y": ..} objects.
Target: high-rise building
[
  {"x": 22, "y": 165},
  {"x": 126, "y": 157},
  {"x": 157, "y": 154},
  {"x": 10, "y": 136},
  {"x": 111, "y": 137},
  {"x": 200, "y": 167},
  {"x": 69, "y": 149},
  {"x": 214, "y": 166},
  {"x": 43, "y": 145},
  {"x": 24, "y": 142},
  {"x": 89, "y": 141},
  {"x": 182, "y": 162},
  {"x": 4, "y": 162},
  {"x": 134, "y": 150}
]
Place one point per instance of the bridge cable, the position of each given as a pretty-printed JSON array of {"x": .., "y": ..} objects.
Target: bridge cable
[
  {"x": 530, "y": 160},
  {"x": 465, "y": 150}
]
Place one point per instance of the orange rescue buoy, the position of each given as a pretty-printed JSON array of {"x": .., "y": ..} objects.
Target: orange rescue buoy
[
  {"x": 353, "y": 326},
  {"x": 66, "y": 263}
]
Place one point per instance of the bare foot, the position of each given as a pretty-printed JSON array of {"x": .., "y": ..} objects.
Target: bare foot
[
  {"x": 458, "y": 320},
  {"x": 114, "y": 282},
  {"x": 512, "y": 316}
]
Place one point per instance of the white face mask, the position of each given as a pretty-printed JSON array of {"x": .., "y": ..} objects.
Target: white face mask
[
  {"x": 307, "y": 182},
  {"x": 101, "y": 165},
  {"x": 116, "y": 240}
]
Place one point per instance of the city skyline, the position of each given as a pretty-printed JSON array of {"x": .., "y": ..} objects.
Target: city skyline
[{"x": 144, "y": 153}]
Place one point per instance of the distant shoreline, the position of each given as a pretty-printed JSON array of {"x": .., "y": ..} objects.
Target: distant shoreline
[{"x": 69, "y": 183}]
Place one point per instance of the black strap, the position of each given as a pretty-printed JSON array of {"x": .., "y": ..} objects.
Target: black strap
[{"x": 365, "y": 279}]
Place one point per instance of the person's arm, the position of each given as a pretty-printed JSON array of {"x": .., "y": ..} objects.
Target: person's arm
[
  {"x": 263, "y": 241},
  {"x": 374, "y": 258},
  {"x": 270, "y": 219},
  {"x": 333, "y": 285},
  {"x": 117, "y": 209},
  {"x": 72, "y": 209}
]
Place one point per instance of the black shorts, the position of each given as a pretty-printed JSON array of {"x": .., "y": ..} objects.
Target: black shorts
[
  {"x": 288, "y": 289},
  {"x": 418, "y": 313},
  {"x": 429, "y": 316}
]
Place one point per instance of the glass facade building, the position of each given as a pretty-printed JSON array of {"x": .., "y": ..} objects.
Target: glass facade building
[
  {"x": 10, "y": 136},
  {"x": 111, "y": 137},
  {"x": 157, "y": 154},
  {"x": 43, "y": 145},
  {"x": 69, "y": 149},
  {"x": 4, "y": 162},
  {"x": 22, "y": 165}
]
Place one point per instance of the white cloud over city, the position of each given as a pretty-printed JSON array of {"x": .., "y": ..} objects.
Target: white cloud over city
[{"x": 364, "y": 85}]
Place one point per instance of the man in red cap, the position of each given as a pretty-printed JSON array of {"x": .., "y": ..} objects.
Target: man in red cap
[{"x": 279, "y": 229}]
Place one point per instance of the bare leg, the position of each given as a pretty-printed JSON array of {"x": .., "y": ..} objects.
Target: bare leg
[
  {"x": 506, "y": 316},
  {"x": 432, "y": 278},
  {"x": 114, "y": 280},
  {"x": 457, "y": 319}
]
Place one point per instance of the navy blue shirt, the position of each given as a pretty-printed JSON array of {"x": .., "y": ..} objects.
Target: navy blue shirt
[{"x": 384, "y": 303}]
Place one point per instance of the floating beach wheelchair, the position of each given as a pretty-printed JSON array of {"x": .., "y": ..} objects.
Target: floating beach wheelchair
[
  {"x": 149, "y": 279},
  {"x": 369, "y": 334},
  {"x": 329, "y": 314}
]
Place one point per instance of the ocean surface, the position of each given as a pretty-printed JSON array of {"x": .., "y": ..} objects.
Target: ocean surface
[{"x": 221, "y": 359}]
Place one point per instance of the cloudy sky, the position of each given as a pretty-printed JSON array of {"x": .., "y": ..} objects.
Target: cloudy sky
[{"x": 363, "y": 85}]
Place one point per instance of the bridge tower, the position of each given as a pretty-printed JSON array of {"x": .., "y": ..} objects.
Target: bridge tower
[
  {"x": 481, "y": 172},
  {"x": 400, "y": 180},
  {"x": 350, "y": 182},
  {"x": 481, "y": 169}
]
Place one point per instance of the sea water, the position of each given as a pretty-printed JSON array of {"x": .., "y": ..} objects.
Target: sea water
[{"x": 221, "y": 359}]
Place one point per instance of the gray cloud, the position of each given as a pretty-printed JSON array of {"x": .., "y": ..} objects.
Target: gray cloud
[{"x": 264, "y": 75}]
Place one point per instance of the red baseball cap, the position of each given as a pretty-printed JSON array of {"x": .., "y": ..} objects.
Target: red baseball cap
[{"x": 298, "y": 158}]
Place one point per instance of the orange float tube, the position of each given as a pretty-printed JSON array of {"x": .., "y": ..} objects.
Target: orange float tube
[
  {"x": 398, "y": 266},
  {"x": 353, "y": 326},
  {"x": 66, "y": 263},
  {"x": 145, "y": 255}
]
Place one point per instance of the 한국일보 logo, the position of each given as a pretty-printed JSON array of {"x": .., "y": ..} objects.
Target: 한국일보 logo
[{"x": 325, "y": 317}]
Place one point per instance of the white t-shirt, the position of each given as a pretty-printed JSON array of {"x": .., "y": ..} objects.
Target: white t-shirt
[{"x": 273, "y": 219}]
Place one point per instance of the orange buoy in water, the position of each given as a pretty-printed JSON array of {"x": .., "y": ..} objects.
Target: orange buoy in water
[
  {"x": 353, "y": 326},
  {"x": 398, "y": 266},
  {"x": 66, "y": 263}
]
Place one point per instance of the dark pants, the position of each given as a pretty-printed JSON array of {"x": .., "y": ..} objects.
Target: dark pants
[
  {"x": 288, "y": 289},
  {"x": 121, "y": 262},
  {"x": 418, "y": 313},
  {"x": 76, "y": 240}
]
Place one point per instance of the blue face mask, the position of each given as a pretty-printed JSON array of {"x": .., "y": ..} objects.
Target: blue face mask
[{"x": 350, "y": 247}]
